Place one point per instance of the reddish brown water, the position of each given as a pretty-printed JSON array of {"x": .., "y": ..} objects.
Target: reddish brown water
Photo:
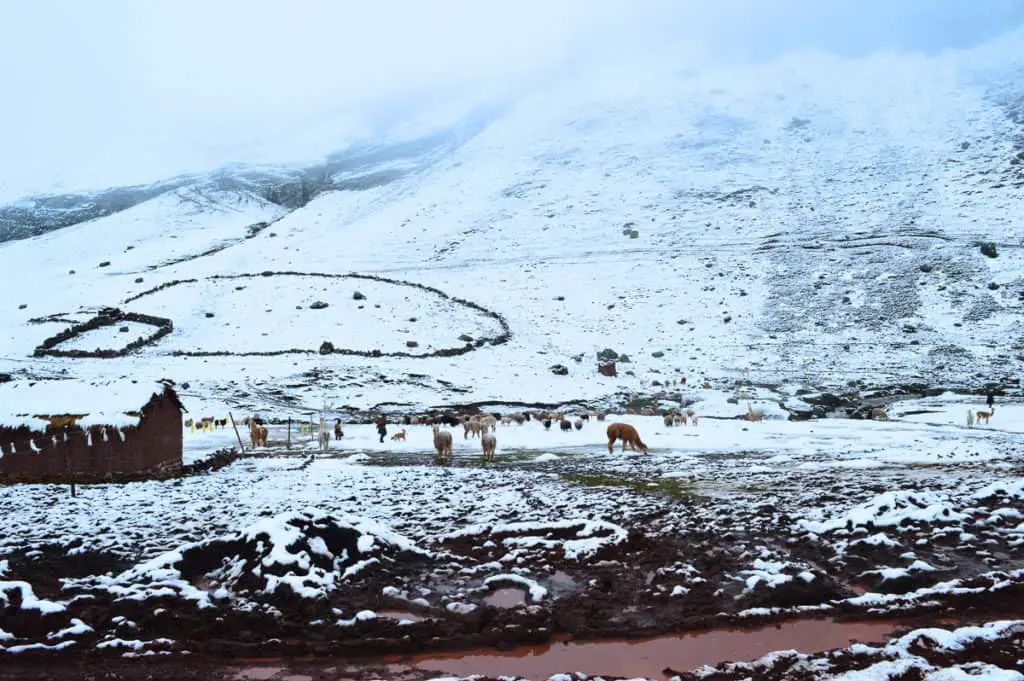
[
  {"x": 649, "y": 657},
  {"x": 628, "y": 658}
]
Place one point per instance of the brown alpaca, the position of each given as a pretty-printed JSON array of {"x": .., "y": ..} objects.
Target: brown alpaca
[
  {"x": 400, "y": 435},
  {"x": 985, "y": 415},
  {"x": 628, "y": 435},
  {"x": 669, "y": 420},
  {"x": 754, "y": 414},
  {"x": 254, "y": 434}
]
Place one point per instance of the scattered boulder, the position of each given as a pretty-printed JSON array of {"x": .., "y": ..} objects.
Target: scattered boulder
[
  {"x": 925, "y": 267},
  {"x": 105, "y": 263},
  {"x": 466, "y": 338},
  {"x": 657, "y": 354},
  {"x": 209, "y": 315},
  {"x": 607, "y": 369},
  {"x": 123, "y": 329},
  {"x": 411, "y": 344},
  {"x": 993, "y": 286},
  {"x": 560, "y": 370},
  {"x": 326, "y": 348},
  {"x": 607, "y": 355},
  {"x": 624, "y": 358},
  {"x": 358, "y": 296},
  {"x": 23, "y": 306},
  {"x": 318, "y": 305},
  {"x": 988, "y": 249},
  {"x": 5, "y": 378}
]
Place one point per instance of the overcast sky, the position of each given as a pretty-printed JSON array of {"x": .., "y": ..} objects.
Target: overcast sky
[{"x": 154, "y": 87}]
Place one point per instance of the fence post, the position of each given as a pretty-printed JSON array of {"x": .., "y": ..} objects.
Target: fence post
[{"x": 235, "y": 426}]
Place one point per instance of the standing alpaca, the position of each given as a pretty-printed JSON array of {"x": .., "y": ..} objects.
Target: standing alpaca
[
  {"x": 578, "y": 424},
  {"x": 970, "y": 418},
  {"x": 985, "y": 415},
  {"x": 489, "y": 442},
  {"x": 668, "y": 419},
  {"x": 754, "y": 414},
  {"x": 324, "y": 439},
  {"x": 443, "y": 444}
]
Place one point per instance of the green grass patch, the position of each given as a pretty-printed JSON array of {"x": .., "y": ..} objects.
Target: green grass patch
[{"x": 674, "y": 487}]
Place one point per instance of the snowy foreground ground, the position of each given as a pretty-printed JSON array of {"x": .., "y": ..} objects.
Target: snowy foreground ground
[{"x": 372, "y": 549}]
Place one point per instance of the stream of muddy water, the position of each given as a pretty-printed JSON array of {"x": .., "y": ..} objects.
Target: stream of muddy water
[{"x": 651, "y": 658}]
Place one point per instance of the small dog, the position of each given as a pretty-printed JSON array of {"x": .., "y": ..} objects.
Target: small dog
[
  {"x": 400, "y": 435},
  {"x": 985, "y": 415}
]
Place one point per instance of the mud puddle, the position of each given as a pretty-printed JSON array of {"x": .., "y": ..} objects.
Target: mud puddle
[
  {"x": 655, "y": 658},
  {"x": 651, "y": 657}
]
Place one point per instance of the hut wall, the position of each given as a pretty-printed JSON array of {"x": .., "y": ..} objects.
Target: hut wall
[{"x": 152, "y": 449}]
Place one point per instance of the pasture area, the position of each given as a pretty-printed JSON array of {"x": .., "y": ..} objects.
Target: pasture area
[{"x": 370, "y": 552}]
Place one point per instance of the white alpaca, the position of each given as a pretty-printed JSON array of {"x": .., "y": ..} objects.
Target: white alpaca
[
  {"x": 489, "y": 442},
  {"x": 443, "y": 444}
]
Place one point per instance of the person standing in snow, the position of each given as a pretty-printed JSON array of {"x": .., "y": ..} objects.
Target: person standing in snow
[
  {"x": 337, "y": 429},
  {"x": 990, "y": 398},
  {"x": 382, "y": 427}
]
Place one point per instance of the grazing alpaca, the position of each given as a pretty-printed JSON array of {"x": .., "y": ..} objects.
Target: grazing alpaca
[
  {"x": 443, "y": 444},
  {"x": 400, "y": 435},
  {"x": 647, "y": 411},
  {"x": 565, "y": 425},
  {"x": 985, "y": 415},
  {"x": 578, "y": 424},
  {"x": 547, "y": 424},
  {"x": 970, "y": 418},
  {"x": 754, "y": 414},
  {"x": 681, "y": 419},
  {"x": 878, "y": 414},
  {"x": 669, "y": 420},
  {"x": 489, "y": 442},
  {"x": 628, "y": 435},
  {"x": 630, "y": 411},
  {"x": 600, "y": 416}
]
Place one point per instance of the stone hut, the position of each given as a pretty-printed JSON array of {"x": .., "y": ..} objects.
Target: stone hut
[{"x": 73, "y": 431}]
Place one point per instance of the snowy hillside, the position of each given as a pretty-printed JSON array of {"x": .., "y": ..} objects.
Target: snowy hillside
[{"x": 811, "y": 221}]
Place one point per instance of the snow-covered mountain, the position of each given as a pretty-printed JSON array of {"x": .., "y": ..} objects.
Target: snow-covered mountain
[{"x": 809, "y": 221}]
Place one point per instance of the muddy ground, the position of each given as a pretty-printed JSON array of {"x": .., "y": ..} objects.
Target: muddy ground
[{"x": 615, "y": 549}]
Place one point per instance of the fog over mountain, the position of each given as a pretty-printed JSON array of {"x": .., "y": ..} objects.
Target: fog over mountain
[{"x": 119, "y": 92}]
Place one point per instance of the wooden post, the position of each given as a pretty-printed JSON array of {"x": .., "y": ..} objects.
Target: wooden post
[
  {"x": 71, "y": 475},
  {"x": 289, "y": 432},
  {"x": 235, "y": 426}
]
